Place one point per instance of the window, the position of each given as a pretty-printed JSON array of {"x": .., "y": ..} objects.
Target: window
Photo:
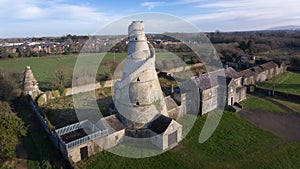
[
  {"x": 138, "y": 79},
  {"x": 137, "y": 103},
  {"x": 116, "y": 137}
]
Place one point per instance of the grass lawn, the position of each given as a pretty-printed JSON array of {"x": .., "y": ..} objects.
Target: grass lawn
[
  {"x": 235, "y": 144},
  {"x": 286, "y": 82},
  {"x": 44, "y": 67},
  {"x": 260, "y": 103}
]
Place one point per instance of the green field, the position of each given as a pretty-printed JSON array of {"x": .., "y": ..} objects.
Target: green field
[
  {"x": 235, "y": 144},
  {"x": 44, "y": 67},
  {"x": 260, "y": 103},
  {"x": 288, "y": 82}
]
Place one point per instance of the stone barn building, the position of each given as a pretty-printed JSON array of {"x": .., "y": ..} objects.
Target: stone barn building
[
  {"x": 236, "y": 92},
  {"x": 270, "y": 69},
  {"x": 260, "y": 73},
  {"x": 208, "y": 91},
  {"x": 248, "y": 77}
]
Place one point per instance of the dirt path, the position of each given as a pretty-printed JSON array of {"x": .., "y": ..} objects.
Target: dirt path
[{"x": 285, "y": 125}]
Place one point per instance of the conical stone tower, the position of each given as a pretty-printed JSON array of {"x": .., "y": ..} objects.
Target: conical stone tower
[
  {"x": 30, "y": 85},
  {"x": 138, "y": 96}
]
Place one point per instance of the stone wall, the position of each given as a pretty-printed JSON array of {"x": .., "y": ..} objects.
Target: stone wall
[
  {"x": 97, "y": 145},
  {"x": 49, "y": 95}
]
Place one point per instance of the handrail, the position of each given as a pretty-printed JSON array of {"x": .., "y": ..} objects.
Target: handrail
[
  {"x": 87, "y": 138},
  {"x": 70, "y": 128}
]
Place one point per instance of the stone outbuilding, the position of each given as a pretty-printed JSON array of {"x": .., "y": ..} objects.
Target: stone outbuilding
[
  {"x": 260, "y": 73},
  {"x": 208, "y": 91},
  {"x": 167, "y": 131},
  {"x": 236, "y": 92}
]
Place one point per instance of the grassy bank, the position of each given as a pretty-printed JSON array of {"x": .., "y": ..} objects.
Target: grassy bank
[{"x": 288, "y": 82}]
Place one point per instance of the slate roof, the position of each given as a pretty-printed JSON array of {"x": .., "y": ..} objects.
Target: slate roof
[
  {"x": 231, "y": 73},
  {"x": 246, "y": 73},
  {"x": 160, "y": 124},
  {"x": 170, "y": 103},
  {"x": 207, "y": 80},
  {"x": 269, "y": 65},
  {"x": 257, "y": 69},
  {"x": 113, "y": 122}
]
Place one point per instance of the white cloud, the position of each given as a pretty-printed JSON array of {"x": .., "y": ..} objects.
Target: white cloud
[
  {"x": 247, "y": 14},
  {"x": 151, "y": 5},
  {"x": 32, "y": 9},
  {"x": 46, "y": 18}
]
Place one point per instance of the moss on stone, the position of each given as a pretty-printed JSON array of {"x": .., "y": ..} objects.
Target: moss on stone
[{"x": 55, "y": 93}]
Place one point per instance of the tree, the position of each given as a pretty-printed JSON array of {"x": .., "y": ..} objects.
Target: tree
[
  {"x": 13, "y": 55},
  {"x": 4, "y": 53},
  {"x": 11, "y": 128},
  {"x": 28, "y": 51},
  {"x": 9, "y": 86},
  {"x": 42, "y": 53},
  {"x": 21, "y": 51},
  {"x": 243, "y": 45},
  {"x": 59, "y": 76}
]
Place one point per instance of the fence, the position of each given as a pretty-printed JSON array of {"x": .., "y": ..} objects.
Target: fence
[
  {"x": 82, "y": 140},
  {"x": 69, "y": 128},
  {"x": 291, "y": 97},
  {"x": 87, "y": 138}
]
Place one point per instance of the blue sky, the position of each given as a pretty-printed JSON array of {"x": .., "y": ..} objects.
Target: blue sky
[{"x": 27, "y": 18}]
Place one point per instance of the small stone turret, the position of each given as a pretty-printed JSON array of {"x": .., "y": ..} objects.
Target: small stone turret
[{"x": 30, "y": 85}]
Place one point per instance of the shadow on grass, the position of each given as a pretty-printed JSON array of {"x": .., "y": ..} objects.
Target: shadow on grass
[{"x": 41, "y": 153}]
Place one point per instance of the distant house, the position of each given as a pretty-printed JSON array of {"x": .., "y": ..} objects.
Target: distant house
[
  {"x": 260, "y": 73},
  {"x": 248, "y": 77},
  {"x": 208, "y": 90},
  {"x": 236, "y": 92},
  {"x": 252, "y": 57},
  {"x": 47, "y": 49},
  {"x": 270, "y": 69},
  {"x": 35, "y": 48},
  {"x": 13, "y": 49}
]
